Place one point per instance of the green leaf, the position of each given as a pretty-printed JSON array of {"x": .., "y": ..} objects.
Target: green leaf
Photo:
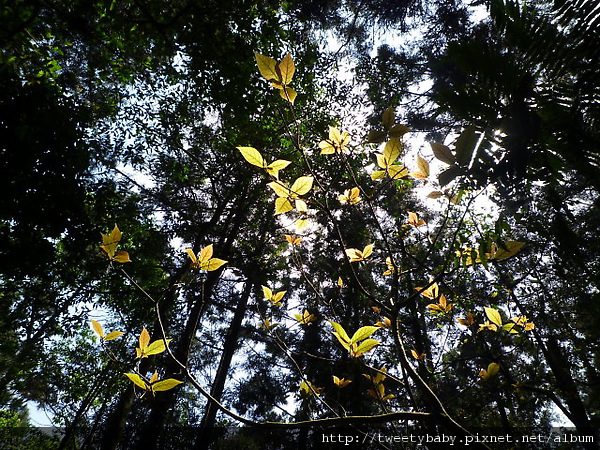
[
  {"x": 398, "y": 131},
  {"x": 388, "y": 118},
  {"x": 448, "y": 175},
  {"x": 376, "y": 137},
  {"x": 443, "y": 153},
  {"x": 465, "y": 145}
]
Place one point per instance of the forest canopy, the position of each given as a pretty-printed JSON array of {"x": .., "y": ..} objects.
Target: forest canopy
[{"x": 265, "y": 224}]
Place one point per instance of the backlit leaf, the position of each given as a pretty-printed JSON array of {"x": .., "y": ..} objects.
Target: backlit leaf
[
  {"x": 363, "y": 333},
  {"x": 266, "y": 67},
  {"x": 423, "y": 166},
  {"x": 156, "y": 347},
  {"x": 376, "y": 137},
  {"x": 122, "y": 257},
  {"x": 388, "y": 118},
  {"x": 301, "y": 205},
  {"x": 253, "y": 156},
  {"x": 137, "y": 380},
  {"x": 465, "y": 145},
  {"x": 508, "y": 249},
  {"x": 391, "y": 151},
  {"x": 165, "y": 385},
  {"x": 113, "y": 335},
  {"x": 302, "y": 185},
  {"x": 144, "y": 338},
  {"x": 443, "y": 153},
  {"x": 276, "y": 166},
  {"x": 287, "y": 93},
  {"x": 493, "y": 315},
  {"x": 397, "y": 171},
  {"x": 341, "y": 382},
  {"x": 283, "y": 205},
  {"x": 286, "y": 69},
  {"x": 279, "y": 188},
  {"x": 97, "y": 328},
  {"x": 213, "y": 264},
  {"x": 366, "y": 346},
  {"x": 340, "y": 331},
  {"x": 398, "y": 131}
]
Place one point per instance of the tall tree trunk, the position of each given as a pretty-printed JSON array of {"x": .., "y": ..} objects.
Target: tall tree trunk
[{"x": 231, "y": 344}]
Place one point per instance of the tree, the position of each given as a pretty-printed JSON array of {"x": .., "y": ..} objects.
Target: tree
[{"x": 385, "y": 274}]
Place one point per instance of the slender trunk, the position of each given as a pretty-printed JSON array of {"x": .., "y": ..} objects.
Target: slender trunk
[{"x": 231, "y": 344}]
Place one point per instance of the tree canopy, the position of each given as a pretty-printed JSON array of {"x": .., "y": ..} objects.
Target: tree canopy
[{"x": 277, "y": 224}]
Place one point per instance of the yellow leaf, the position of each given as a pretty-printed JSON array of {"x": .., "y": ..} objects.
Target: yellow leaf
[
  {"x": 301, "y": 205},
  {"x": 165, "y": 385},
  {"x": 192, "y": 256},
  {"x": 121, "y": 257},
  {"x": 267, "y": 292},
  {"x": 293, "y": 240},
  {"x": 413, "y": 220},
  {"x": 391, "y": 152},
  {"x": 341, "y": 382},
  {"x": 154, "y": 377},
  {"x": 302, "y": 185},
  {"x": 267, "y": 67},
  {"x": 431, "y": 292},
  {"x": 97, "y": 328},
  {"x": 156, "y": 347},
  {"x": 253, "y": 156},
  {"x": 378, "y": 175},
  {"x": 306, "y": 318},
  {"x": 213, "y": 264},
  {"x": 396, "y": 171},
  {"x": 205, "y": 254},
  {"x": 350, "y": 196},
  {"x": 367, "y": 251},
  {"x": 508, "y": 249},
  {"x": 366, "y": 346},
  {"x": 286, "y": 69},
  {"x": 279, "y": 188},
  {"x": 287, "y": 93},
  {"x": 283, "y": 205},
  {"x": 144, "y": 339},
  {"x": 493, "y": 315},
  {"x": 336, "y": 143},
  {"x": 354, "y": 254},
  {"x": 115, "y": 235},
  {"x": 340, "y": 282},
  {"x": 113, "y": 335},
  {"x": 276, "y": 166},
  {"x": 301, "y": 224},
  {"x": 137, "y": 380},
  {"x": 363, "y": 333}
]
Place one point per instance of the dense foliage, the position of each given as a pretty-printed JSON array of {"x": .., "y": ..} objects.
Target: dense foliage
[{"x": 254, "y": 224}]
